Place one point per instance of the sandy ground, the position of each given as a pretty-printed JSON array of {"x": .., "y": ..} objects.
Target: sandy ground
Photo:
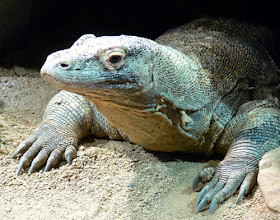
[{"x": 108, "y": 179}]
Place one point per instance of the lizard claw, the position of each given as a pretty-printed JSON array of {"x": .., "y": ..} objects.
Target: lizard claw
[
  {"x": 48, "y": 167},
  {"x": 201, "y": 205},
  {"x": 70, "y": 154},
  {"x": 20, "y": 166},
  {"x": 200, "y": 196},
  {"x": 195, "y": 182},
  {"x": 213, "y": 206},
  {"x": 240, "y": 195},
  {"x": 31, "y": 169}
]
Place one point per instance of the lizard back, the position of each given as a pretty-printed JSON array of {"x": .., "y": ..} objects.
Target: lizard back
[{"x": 235, "y": 54}]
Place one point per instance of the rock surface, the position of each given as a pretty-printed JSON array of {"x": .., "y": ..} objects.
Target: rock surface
[{"x": 269, "y": 179}]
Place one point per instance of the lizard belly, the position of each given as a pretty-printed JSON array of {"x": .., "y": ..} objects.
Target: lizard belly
[{"x": 152, "y": 130}]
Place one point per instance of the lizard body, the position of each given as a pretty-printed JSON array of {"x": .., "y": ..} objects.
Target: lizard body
[{"x": 211, "y": 86}]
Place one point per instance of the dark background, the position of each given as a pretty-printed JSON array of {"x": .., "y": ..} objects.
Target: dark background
[{"x": 30, "y": 30}]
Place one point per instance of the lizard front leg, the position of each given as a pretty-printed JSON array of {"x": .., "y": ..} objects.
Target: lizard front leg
[
  {"x": 68, "y": 118},
  {"x": 253, "y": 131}
]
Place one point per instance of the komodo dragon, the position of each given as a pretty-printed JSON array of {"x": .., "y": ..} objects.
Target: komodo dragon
[{"x": 210, "y": 86}]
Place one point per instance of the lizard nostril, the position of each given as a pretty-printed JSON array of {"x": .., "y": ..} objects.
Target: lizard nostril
[{"x": 64, "y": 65}]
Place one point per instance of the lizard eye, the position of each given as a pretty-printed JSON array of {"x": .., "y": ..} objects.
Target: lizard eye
[{"x": 113, "y": 58}]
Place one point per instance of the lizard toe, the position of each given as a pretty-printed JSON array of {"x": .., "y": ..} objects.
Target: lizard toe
[
  {"x": 39, "y": 160},
  {"x": 54, "y": 158},
  {"x": 227, "y": 191},
  {"x": 28, "y": 156},
  {"x": 200, "y": 196},
  {"x": 204, "y": 176},
  {"x": 70, "y": 154},
  {"x": 212, "y": 188},
  {"x": 247, "y": 185},
  {"x": 207, "y": 188},
  {"x": 23, "y": 146}
]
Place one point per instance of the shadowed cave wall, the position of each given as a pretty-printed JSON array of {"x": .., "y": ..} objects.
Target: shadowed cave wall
[{"x": 30, "y": 30}]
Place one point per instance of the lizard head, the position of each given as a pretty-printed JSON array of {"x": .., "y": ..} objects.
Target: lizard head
[
  {"x": 103, "y": 66},
  {"x": 131, "y": 70}
]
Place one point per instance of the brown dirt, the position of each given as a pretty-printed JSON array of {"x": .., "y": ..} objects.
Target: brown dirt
[{"x": 108, "y": 179}]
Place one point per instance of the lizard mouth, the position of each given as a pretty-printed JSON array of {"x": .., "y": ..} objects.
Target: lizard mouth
[
  {"x": 53, "y": 80},
  {"x": 72, "y": 85}
]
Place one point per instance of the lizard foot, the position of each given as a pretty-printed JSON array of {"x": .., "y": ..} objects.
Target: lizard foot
[
  {"x": 45, "y": 146},
  {"x": 230, "y": 174}
]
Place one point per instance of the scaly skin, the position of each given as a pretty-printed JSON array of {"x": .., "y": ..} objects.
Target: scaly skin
[{"x": 211, "y": 86}]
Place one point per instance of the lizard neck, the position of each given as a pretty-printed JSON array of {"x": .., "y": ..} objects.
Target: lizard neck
[{"x": 181, "y": 79}]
